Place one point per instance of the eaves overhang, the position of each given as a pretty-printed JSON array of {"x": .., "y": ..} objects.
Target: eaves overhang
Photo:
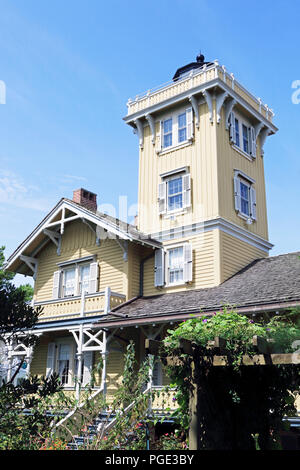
[
  {"x": 189, "y": 313},
  {"x": 53, "y": 226},
  {"x": 215, "y": 85}
]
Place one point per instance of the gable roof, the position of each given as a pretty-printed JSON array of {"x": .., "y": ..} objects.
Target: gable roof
[
  {"x": 64, "y": 212},
  {"x": 265, "y": 284}
]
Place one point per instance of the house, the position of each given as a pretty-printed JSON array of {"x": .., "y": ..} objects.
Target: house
[{"x": 200, "y": 239}]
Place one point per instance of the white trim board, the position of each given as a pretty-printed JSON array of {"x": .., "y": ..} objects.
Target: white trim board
[{"x": 193, "y": 230}]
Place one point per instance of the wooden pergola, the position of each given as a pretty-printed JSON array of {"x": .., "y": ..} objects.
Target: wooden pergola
[{"x": 218, "y": 356}]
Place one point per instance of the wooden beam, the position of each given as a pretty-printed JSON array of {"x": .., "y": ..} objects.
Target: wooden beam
[
  {"x": 260, "y": 344},
  {"x": 153, "y": 347}
]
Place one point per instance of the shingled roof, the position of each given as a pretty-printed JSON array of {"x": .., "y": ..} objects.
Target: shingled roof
[{"x": 269, "y": 282}]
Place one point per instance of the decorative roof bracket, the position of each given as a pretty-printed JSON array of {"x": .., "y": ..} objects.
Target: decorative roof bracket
[
  {"x": 92, "y": 229},
  {"x": 228, "y": 109},
  {"x": 151, "y": 122},
  {"x": 124, "y": 246},
  {"x": 55, "y": 237},
  {"x": 32, "y": 263},
  {"x": 140, "y": 131},
  {"x": 194, "y": 102},
  {"x": 208, "y": 99},
  {"x": 219, "y": 103}
]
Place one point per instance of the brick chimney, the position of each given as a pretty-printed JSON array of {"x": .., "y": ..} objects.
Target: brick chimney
[{"x": 85, "y": 198}]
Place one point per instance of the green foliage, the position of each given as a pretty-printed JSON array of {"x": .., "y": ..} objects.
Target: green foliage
[
  {"x": 5, "y": 276},
  {"x": 171, "y": 441},
  {"x": 20, "y": 430},
  {"x": 236, "y": 401},
  {"x": 17, "y": 429}
]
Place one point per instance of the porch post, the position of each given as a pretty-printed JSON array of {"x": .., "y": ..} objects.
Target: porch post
[
  {"x": 10, "y": 360},
  {"x": 79, "y": 353},
  {"x": 104, "y": 355},
  {"x": 79, "y": 365},
  {"x": 28, "y": 359}
]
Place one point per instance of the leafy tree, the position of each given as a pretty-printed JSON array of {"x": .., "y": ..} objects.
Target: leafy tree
[{"x": 17, "y": 316}]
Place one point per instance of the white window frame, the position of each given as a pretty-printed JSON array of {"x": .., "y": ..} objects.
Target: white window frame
[
  {"x": 77, "y": 281},
  {"x": 239, "y": 120},
  {"x": 184, "y": 246},
  {"x": 168, "y": 180},
  {"x": 189, "y": 126},
  {"x": 242, "y": 178},
  {"x": 168, "y": 281},
  {"x": 71, "y": 372},
  {"x": 59, "y": 278},
  {"x": 163, "y": 196}
]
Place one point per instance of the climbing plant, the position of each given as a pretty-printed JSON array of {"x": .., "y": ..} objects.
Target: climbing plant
[{"x": 235, "y": 402}]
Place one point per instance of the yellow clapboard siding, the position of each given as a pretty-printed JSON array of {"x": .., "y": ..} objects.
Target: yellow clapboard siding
[
  {"x": 205, "y": 266},
  {"x": 77, "y": 242},
  {"x": 203, "y": 175},
  {"x": 236, "y": 254},
  {"x": 229, "y": 159}
]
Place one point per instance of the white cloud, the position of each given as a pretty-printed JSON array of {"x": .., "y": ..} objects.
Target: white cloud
[
  {"x": 14, "y": 191},
  {"x": 75, "y": 178}
]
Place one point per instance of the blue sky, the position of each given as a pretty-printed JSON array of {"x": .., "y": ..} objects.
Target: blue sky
[{"x": 70, "y": 67}]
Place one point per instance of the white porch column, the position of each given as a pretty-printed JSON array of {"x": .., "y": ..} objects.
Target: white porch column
[
  {"x": 10, "y": 361},
  {"x": 104, "y": 355},
  {"x": 79, "y": 353},
  {"x": 79, "y": 356},
  {"x": 28, "y": 359}
]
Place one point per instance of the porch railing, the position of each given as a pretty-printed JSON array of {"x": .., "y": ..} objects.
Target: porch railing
[{"x": 73, "y": 307}]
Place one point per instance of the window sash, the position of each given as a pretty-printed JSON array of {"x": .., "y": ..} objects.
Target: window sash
[
  {"x": 84, "y": 278},
  {"x": 182, "y": 130},
  {"x": 167, "y": 132},
  {"x": 245, "y": 139},
  {"x": 69, "y": 282},
  {"x": 237, "y": 132},
  {"x": 75, "y": 279},
  {"x": 175, "y": 192},
  {"x": 245, "y": 198},
  {"x": 176, "y": 265},
  {"x": 64, "y": 363}
]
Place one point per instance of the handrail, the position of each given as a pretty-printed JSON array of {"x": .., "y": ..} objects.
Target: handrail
[
  {"x": 128, "y": 408},
  {"x": 81, "y": 405}
]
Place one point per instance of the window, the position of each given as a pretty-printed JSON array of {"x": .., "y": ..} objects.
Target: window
[
  {"x": 69, "y": 282},
  {"x": 176, "y": 263},
  {"x": 73, "y": 279},
  {"x": 84, "y": 278},
  {"x": 64, "y": 363},
  {"x": 173, "y": 266},
  {"x": 237, "y": 132},
  {"x": 182, "y": 127},
  {"x": 177, "y": 129},
  {"x": 174, "y": 193},
  {"x": 167, "y": 133},
  {"x": 244, "y": 196},
  {"x": 245, "y": 138},
  {"x": 242, "y": 134}
]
